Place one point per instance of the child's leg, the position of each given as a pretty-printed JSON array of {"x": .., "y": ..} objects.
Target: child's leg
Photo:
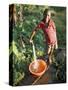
[
  {"x": 52, "y": 49},
  {"x": 51, "y": 52},
  {"x": 48, "y": 53},
  {"x": 49, "y": 49}
]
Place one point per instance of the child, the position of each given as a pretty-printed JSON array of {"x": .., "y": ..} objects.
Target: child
[{"x": 49, "y": 29}]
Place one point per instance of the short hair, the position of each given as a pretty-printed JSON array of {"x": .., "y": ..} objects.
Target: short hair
[{"x": 46, "y": 11}]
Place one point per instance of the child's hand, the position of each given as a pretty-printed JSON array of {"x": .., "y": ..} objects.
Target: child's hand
[{"x": 31, "y": 41}]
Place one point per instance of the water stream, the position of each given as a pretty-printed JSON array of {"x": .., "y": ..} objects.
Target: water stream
[{"x": 35, "y": 58}]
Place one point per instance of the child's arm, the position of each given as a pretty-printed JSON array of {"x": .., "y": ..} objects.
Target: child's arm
[
  {"x": 56, "y": 45},
  {"x": 54, "y": 27},
  {"x": 33, "y": 34},
  {"x": 40, "y": 25}
]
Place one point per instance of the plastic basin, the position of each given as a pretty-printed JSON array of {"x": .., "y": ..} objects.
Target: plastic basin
[{"x": 39, "y": 69}]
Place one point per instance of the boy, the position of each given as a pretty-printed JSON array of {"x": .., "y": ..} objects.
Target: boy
[{"x": 49, "y": 29}]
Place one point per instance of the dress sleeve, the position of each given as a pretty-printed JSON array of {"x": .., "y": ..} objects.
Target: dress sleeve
[{"x": 39, "y": 26}]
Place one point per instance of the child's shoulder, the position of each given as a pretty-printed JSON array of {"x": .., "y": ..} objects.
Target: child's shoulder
[
  {"x": 52, "y": 23},
  {"x": 42, "y": 22}
]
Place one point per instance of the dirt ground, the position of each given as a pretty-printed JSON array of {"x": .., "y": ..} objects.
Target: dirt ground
[{"x": 56, "y": 72}]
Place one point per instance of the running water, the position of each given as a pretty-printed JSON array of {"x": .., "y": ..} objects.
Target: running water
[{"x": 35, "y": 58}]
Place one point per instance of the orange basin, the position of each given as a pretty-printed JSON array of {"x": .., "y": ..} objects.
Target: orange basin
[{"x": 40, "y": 68}]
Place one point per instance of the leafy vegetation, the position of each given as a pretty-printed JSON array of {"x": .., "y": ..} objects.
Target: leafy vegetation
[{"x": 28, "y": 16}]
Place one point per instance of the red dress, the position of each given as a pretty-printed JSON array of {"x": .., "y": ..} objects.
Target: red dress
[{"x": 50, "y": 32}]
